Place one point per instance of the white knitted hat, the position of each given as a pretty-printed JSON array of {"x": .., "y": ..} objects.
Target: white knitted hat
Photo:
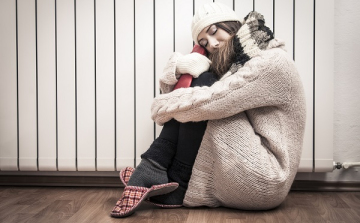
[{"x": 209, "y": 14}]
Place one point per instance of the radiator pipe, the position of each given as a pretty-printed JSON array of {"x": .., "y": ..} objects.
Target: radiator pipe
[{"x": 345, "y": 165}]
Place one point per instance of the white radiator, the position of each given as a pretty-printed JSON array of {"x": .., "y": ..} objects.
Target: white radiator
[{"x": 77, "y": 77}]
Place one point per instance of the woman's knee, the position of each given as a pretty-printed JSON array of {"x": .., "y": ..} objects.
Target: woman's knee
[{"x": 205, "y": 79}]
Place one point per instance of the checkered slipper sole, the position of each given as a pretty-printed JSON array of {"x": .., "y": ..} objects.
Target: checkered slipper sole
[
  {"x": 133, "y": 196},
  {"x": 125, "y": 175}
]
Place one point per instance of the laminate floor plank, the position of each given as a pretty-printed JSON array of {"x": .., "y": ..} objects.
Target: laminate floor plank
[
  {"x": 42, "y": 198},
  {"x": 331, "y": 207},
  {"x": 168, "y": 215},
  {"x": 91, "y": 204},
  {"x": 14, "y": 195},
  {"x": 197, "y": 216},
  {"x": 7, "y": 213},
  {"x": 353, "y": 200}
]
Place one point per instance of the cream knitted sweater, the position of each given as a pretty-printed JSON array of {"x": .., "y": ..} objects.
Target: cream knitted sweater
[{"x": 252, "y": 145}]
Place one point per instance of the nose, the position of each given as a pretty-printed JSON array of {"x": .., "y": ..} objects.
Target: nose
[{"x": 214, "y": 43}]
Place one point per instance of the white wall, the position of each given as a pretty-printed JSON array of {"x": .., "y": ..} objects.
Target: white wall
[{"x": 347, "y": 93}]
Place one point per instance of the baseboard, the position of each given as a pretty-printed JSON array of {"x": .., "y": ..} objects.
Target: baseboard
[
  {"x": 112, "y": 181},
  {"x": 62, "y": 181},
  {"x": 311, "y": 185}
]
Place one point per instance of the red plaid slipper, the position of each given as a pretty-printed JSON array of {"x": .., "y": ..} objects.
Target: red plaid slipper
[
  {"x": 133, "y": 196},
  {"x": 125, "y": 175}
]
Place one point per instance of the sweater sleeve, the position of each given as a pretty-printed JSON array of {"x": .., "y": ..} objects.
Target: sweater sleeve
[
  {"x": 169, "y": 77},
  {"x": 263, "y": 81}
]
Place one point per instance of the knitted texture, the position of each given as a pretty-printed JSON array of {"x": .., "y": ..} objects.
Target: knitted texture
[
  {"x": 209, "y": 14},
  {"x": 252, "y": 145},
  {"x": 169, "y": 77},
  {"x": 180, "y": 173},
  {"x": 178, "y": 64},
  {"x": 193, "y": 64},
  {"x": 148, "y": 173},
  {"x": 161, "y": 151},
  {"x": 173, "y": 199}
]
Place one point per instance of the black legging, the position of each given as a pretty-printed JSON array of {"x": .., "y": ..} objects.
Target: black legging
[
  {"x": 177, "y": 146},
  {"x": 176, "y": 149},
  {"x": 188, "y": 136}
]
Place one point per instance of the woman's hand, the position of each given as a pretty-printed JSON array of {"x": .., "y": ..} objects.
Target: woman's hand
[{"x": 193, "y": 64}]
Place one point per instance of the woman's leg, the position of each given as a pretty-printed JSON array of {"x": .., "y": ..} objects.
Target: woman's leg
[
  {"x": 181, "y": 140},
  {"x": 189, "y": 140},
  {"x": 152, "y": 169}
]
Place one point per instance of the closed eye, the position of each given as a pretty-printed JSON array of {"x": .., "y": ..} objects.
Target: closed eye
[
  {"x": 213, "y": 30},
  {"x": 203, "y": 43}
]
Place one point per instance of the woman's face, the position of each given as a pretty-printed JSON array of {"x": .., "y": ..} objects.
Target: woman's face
[{"x": 212, "y": 37}]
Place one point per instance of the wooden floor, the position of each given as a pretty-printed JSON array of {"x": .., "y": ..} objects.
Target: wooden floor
[{"x": 79, "y": 204}]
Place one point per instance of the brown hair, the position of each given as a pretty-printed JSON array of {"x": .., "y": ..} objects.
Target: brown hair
[
  {"x": 230, "y": 27},
  {"x": 223, "y": 57}
]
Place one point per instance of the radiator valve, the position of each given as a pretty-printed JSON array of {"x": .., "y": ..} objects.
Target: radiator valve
[
  {"x": 337, "y": 165},
  {"x": 345, "y": 165}
]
